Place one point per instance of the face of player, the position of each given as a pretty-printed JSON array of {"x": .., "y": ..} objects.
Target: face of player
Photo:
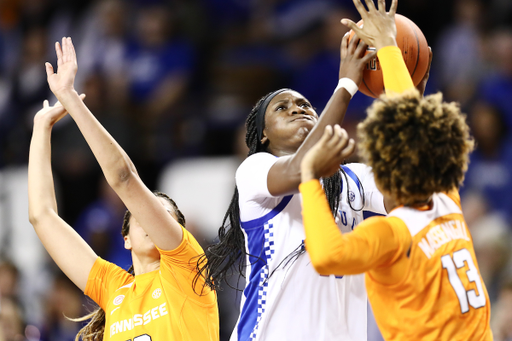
[
  {"x": 138, "y": 241},
  {"x": 288, "y": 120}
]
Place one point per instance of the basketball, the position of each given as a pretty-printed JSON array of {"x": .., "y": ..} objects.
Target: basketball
[{"x": 414, "y": 48}]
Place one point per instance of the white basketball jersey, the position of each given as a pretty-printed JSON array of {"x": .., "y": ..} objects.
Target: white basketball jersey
[{"x": 284, "y": 297}]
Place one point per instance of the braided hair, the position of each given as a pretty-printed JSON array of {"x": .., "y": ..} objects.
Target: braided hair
[
  {"x": 220, "y": 259},
  {"x": 95, "y": 328}
]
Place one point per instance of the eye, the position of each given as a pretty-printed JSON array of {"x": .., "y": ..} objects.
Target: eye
[
  {"x": 305, "y": 105},
  {"x": 281, "y": 107}
]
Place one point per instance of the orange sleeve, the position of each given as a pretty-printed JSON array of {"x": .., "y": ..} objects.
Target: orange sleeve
[
  {"x": 396, "y": 76},
  {"x": 371, "y": 245},
  {"x": 104, "y": 279},
  {"x": 180, "y": 266}
]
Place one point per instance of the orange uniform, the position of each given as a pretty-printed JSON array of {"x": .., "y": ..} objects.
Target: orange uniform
[
  {"x": 422, "y": 277},
  {"x": 159, "y": 305}
]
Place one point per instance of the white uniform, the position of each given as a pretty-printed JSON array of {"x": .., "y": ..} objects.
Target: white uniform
[{"x": 284, "y": 297}]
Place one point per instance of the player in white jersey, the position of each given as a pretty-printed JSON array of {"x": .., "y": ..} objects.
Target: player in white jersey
[{"x": 284, "y": 299}]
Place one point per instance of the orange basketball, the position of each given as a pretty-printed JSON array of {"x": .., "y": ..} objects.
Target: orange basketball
[{"x": 414, "y": 48}]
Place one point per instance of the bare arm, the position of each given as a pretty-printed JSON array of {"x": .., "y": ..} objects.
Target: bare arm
[
  {"x": 71, "y": 253},
  {"x": 117, "y": 167},
  {"x": 284, "y": 176}
]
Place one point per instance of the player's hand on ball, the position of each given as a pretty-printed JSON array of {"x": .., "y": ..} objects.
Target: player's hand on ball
[
  {"x": 51, "y": 114},
  {"x": 353, "y": 60},
  {"x": 423, "y": 83},
  {"x": 325, "y": 157},
  {"x": 67, "y": 66},
  {"x": 379, "y": 27}
]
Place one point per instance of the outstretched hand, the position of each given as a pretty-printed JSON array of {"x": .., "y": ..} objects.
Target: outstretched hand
[
  {"x": 67, "y": 67},
  {"x": 379, "y": 29},
  {"x": 51, "y": 114},
  {"x": 325, "y": 157}
]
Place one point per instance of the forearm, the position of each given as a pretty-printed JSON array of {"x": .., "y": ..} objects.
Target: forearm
[
  {"x": 40, "y": 179},
  {"x": 394, "y": 71},
  {"x": 113, "y": 160},
  {"x": 73, "y": 256},
  {"x": 332, "y": 252}
]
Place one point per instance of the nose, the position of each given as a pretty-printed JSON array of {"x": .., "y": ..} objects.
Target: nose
[{"x": 295, "y": 110}]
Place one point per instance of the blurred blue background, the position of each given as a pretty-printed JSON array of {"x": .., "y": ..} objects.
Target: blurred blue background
[{"x": 173, "y": 82}]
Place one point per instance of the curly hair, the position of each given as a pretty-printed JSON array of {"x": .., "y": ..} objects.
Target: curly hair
[
  {"x": 416, "y": 145},
  {"x": 95, "y": 328}
]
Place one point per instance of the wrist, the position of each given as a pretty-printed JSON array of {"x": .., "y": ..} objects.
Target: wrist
[
  {"x": 43, "y": 122},
  {"x": 348, "y": 84},
  {"x": 65, "y": 93},
  {"x": 307, "y": 172},
  {"x": 389, "y": 41}
]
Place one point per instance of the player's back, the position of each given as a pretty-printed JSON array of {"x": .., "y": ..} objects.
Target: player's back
[{"x": 442, "y": 295}]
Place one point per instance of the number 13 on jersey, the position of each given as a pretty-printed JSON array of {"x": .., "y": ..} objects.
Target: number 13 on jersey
[{"x": 466, "y": 297}]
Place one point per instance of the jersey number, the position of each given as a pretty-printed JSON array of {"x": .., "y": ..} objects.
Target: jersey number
[
  {"x": 143, "y": 337},
  {"x": 465, "y": 297}
]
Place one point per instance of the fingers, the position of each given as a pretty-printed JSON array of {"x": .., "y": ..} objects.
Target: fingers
[
  {"x": 327, "y": 135},
  {"x": 348, "y": 150},
  {"x": 72, "y": 49},
  {"x": 354, "y": 44},
  {"x": 338, "y": 140},
  {"x": 46, "y": 104},
  {"x": 352, "y": 25},
  {"x": 360, "y": 48},
  {"x": 58, "y": 50},
  {"x": 382, "y": 6},
  {"x": 49, "y": 69},
  {"x": 392, "y": 9},
  {"x": 430, "y": 55},
  {"x": 370, "y": 5},
  {"x": 344, "y": 45},
  {"x": 369, "y": 56},
  {"x": 82, "y": 96},
  {"x": 360, "y": 8}
]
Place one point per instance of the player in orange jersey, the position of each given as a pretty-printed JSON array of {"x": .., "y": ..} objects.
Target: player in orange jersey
[
  {"x": 158, "y": 301},
  {"x": 422, "y": 276}
]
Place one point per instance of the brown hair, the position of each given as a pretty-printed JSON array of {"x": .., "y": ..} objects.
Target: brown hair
[
  {"x": 416, "y": 145},
  {"x": 95, "y": 328}
]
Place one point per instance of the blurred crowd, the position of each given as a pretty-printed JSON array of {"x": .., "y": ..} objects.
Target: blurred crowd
[{"x": 173, "y": 82}]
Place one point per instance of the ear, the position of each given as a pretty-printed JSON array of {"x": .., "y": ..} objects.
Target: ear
[
  {"x": 127, "y": 243},
  {"x": 264, "y": 139}
]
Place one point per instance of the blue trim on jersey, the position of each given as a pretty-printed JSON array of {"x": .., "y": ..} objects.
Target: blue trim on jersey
[
  {"x": 260, "y": 221},
  {"x": 353, "y": 176},
  {"x": 260, "y": 243}
]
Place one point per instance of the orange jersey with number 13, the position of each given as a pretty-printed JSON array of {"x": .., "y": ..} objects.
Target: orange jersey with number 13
[{"x": 442, "y": 296}]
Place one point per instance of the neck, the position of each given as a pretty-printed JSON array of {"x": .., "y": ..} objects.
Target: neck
[
  {"x": 142, "y": 265},
  {"x": 280, "y": 151}
]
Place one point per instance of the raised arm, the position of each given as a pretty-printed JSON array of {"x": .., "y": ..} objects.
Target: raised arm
[
  {"x": 117, "y": 167},
  {"x": 71, "y": 253},
  {"x": 284, "y": 176}
]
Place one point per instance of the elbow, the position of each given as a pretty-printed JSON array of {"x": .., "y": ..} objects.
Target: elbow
[
  {"x": 121, "y": 176},
  {"x": 35, "y": 217},
  {"x": 323, "y": 263}
]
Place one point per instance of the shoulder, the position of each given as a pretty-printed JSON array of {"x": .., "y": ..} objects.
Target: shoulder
[
  {"x": 256, "y": 163},
  {"x": 360, "y": 169},
  {"x": 359, "y": 172}
]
